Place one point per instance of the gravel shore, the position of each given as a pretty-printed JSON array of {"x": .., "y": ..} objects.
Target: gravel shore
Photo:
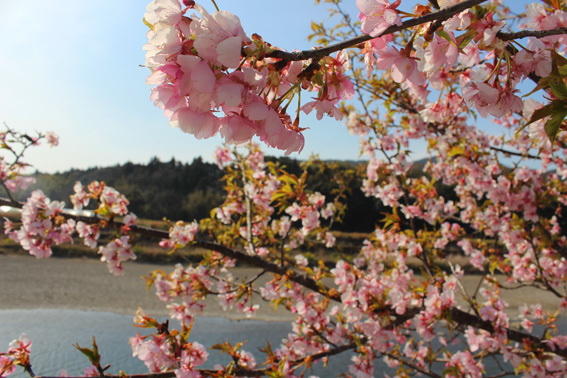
[{"x": 85, "y": 284}]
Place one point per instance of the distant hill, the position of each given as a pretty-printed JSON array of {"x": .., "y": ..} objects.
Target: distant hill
[
  {"x": 172, "y": 189},
  {"x": 183, "y": 191}
]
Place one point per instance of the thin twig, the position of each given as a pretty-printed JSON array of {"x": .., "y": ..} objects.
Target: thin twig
[
  {"x": 412, "y": 365},
  {"x": 514, "y": 153}
]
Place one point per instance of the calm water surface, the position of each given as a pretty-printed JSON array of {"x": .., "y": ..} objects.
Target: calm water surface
[{"x": 53, "y": 333}]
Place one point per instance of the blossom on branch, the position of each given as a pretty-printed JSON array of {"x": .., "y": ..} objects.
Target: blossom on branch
[{"x": 378, "y": 15}]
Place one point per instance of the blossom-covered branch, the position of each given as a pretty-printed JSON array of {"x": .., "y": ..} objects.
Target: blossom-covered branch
[
  {"x": 318, "y": 53},
  {"x": 400, "y": 297},
  {"x": 462, "y": 318}
]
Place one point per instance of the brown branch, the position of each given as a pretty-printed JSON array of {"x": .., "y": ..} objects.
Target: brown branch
[
  {"x": 530, "y": 33},
  {"x": 240, "y": 372},
  {"x": 329, "y": 353},
  {"x": 225, "y": 251},
  {"x": 270, "y": 267},
  {"x": 460, "y": 317},
  {"x": 412, "y": 365},
  {"x": 317, "y": 54},
  {"x": 171, "y": 374},
  {"x": 463, "y": 318},
  {"x": 13, "y": 201},
  {"x": 514, "y": 153},
  {"x": 167, "y": 374}
]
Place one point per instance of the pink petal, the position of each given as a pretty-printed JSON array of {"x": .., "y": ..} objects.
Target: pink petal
[{"x": 229, "y": 52}]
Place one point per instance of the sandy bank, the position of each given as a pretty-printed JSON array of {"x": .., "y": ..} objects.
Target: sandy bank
[{"x": 85, "y": 284}]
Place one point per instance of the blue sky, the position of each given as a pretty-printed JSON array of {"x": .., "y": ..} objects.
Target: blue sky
[{"x": 73, "y": 67}]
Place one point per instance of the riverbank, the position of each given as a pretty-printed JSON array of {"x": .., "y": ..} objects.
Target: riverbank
[{"x": 86, "y": 284}]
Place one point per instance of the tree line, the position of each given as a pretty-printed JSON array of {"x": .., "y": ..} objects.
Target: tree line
[{"x": 185, "y": 191}]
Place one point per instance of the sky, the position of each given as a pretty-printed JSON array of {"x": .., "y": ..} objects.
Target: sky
[{"x": 76, "y": 68}]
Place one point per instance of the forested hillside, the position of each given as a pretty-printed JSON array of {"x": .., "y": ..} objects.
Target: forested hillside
[
  {"x": 173, "y": 189},
  {"x": 187, "y": 191}
]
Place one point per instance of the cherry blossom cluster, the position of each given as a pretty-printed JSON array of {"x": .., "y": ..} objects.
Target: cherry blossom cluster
[
  {"x": 248, "y": 214},
  {"x": 492, "y": 200},
  {"x": 12, "y": 177},
  {"x": 490, "y": 65},
  {"x": 14, "y": 145},
  {"x": 46, "y": 223},
  {"x": 165, "y": 351},
  {"x": 18, "y": 354},
  {"x": 111, "y": 202},
  {"x": 503, "y": 215},
  {"x": 210, "y": 78},
  {"x": 42, "y": 226},
  {"x": 499, "y": 221},
  {"x": 252, "y": 200},
  {"x": 189, "y": 286},
  {"x": 180, "y": 235}
]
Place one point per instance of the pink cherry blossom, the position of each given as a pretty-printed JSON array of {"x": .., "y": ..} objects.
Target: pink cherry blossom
[
  {"x": 115, "y": 253},
  {"x": 402, "y": 67},
  {"x": 163, "y": 11},
  {"x": 378, "y": 15},
  {"x": 6, "y": 366},
  {"x": 218, "y": 37}
]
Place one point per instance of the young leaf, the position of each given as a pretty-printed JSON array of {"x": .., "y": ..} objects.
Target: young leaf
[
  {"x": 443, "y": 34},
  {"x": 552, "y": 126},
  {"x": 91, "y": 354},
  {"x": 557, "y": 86},
  {"x": 557, "y": 106}
]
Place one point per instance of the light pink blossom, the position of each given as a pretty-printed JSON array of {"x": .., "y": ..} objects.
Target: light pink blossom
[{"x": 378, "y": 15}]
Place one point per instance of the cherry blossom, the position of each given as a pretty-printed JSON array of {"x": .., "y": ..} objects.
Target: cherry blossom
[
  {"x": 492, "y": 197},
  {"x": 377, "y": 15}
]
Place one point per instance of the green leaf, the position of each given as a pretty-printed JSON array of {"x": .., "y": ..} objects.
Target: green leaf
[
  {"x": 552, "y": 126},
  {"x": 443, "y": 34},
  {"x": 91, "y": 354},
  {"x": 557, "y": 61},
  {"x": 456, "y": 151},
  {"x": 465, "y": 39},
  {"x": 226, "y": 347},
  {"x": 557, "y": 106},
  {"x": 104, "y": 211},
  {"x": 542, "y": 84},
  {"x": 557, "y": 86}
]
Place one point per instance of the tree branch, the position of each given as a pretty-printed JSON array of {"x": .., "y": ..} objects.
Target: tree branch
[
  {"x": 239, "y": 372},
  {"x": 167, "y": 374},
  {"x": 317, "y": 54},
  {"x": 211, "y": 246},
  {"x": 460, "y": 317},
  {"x": 530, "y": 33},
  {"x": 474, "y": 321},
  {"x": 411, "y": 365},
  {"x": 508, "y": 152}
]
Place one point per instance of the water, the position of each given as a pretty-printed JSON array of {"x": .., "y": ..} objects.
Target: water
[{"x": 53, "y": 333}]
